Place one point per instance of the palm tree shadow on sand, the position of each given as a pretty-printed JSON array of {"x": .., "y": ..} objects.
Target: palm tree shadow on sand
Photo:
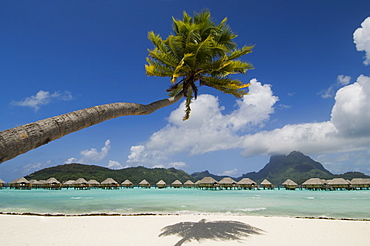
[{"x": 213, "y": 230}]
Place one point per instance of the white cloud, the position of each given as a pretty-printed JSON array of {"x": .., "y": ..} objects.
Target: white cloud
[
  {"x": 210, "y": 130},
  {"x": 33, "y": 167},
  {"x": 230, "y": 173},
  {"x": 361, "y": 38},
  {"x": 114, "y": 165},
  {"x": 342, "y": 80},
  {"x": 43, "y": 98},
  {"x": 92, "y": 155}
]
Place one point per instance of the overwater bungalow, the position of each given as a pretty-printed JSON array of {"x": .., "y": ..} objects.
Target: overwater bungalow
[
  {"x": 208, "y": 183},
  {"x": 176, "y": 184},
  {"x": 109, "y": 183},
  {"x": 2, "y": 183},
  {"x": 290, "y": 184},
  {"x": 68, "y": 184},
  {"x": 360, "y": 183},
  {"x": 314, "y": 184},
  {"x": 52, "y": 183},
  {"x": 267, "y": 184},
  {"x": 93, "y": 183},
  {"x": 227, "y": 183},
  {"x": 21, "y": 183},
  {"x": 127, "y": 184},
  {"x": 81, "y": 184},
  {"x": 189, "y": 184},
  {"x": 161, "y": 184},
  {"x": 247, "y": 183},
  {"x": 338, "y": 183},
  {"x": 144, "y": 184},
  {"x": 35, "y": 183}
]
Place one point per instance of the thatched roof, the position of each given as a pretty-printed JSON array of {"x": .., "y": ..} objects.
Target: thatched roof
[
  {"x": 246, "y": 181},
  {"x": 19, "y": 181},
  {"x": 176, "y": 182},
  {"x": 34, "y": 182},
  {"x": 208, "y": 180},
  {"x": 266, "y": 182},
  {"x": 189, "y": 182},
  {"x": 69, "y": 182},
  {"x": 338, "y": 181},
  {"x": 144, "y": 182},
  {"x": 289, "y": 182},
  {"x": 109, "y": 181},
  {"x": 227, "y": 181},
  {"x": 161, "y": 182},
  {"x": 52, "y": 181},
  {"x": 313, "y": 181},
  {"x": 80, "y": 181},
  {"x": 2, "y": 181},
  {"x": 93, "y": 182},
  {"x": 127, "y": 182},
  {"x": 360, "y": 181}
]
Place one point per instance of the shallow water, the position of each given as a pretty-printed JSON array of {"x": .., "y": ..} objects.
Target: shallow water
[{"x": 333, "y": 204}]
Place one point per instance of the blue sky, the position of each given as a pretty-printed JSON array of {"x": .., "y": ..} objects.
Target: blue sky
[{"x": 310, "y": 87}]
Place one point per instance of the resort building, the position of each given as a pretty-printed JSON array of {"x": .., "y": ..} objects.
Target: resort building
[
  {"x": 81, "y": 184},
  {"x": 290, "y": 184},
  {"x": 144, "y": 184},
  {"x": 176, "y": 184},
  {"x": 338, "y": 183},
  {"x": 52, "y": 183},
  {"x": 208, "y": 183},
  {"x": 314, "y": 184},
  {"x": 20, "y": 183},
  {"x": 109, "y": 183},
  {"x": 247, "y": 183},
  {"x": 68, "y": 184},
  {"x": 93, "y": 183},
  {"x": 267, "y": 184},
  {"x": 189, "y": 184},
  {"x": 161, "y": 184},
  {"x": 127, "y": 184},
  {"x": 227, "y": 183},
  {"x": 2, "y": 183},
  {"x": 360, "y": 183}
]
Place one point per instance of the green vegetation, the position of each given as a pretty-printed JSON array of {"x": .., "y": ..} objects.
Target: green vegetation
[{"x": 199, "y": 50}]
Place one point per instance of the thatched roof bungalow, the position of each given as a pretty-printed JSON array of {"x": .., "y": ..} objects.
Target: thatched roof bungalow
[
  {"x": 52, "y": 183},
  {"x": 21, "y": 183},
  {"x": 338, "y": 183},
  {"x": 176, "y": 184},
  {"x": 208, "y": 183},
  {"x": 247, "y": 183},
  {"x": 189, "y": 184},
  {"x": 267, "y": 184},
  {"x": 227, "y": 183},
  {"x": 144, "y": 184},
  {"x": 314, "y": 184},
  {"x": 109, "y": 183},
  {"x": 93, "y": 183},
  {"x": 161, "y": 184},
  {"x": 290, "y": 184},
  {"x": 81, "y": 183},
  {"x": 360, "y": 183},
  {"x": 127, "y": 184},
  {"x": 68, "y": 184}
]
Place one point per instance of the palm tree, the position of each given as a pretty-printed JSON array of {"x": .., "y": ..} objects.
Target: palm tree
[{"x": 199, "y": 50}]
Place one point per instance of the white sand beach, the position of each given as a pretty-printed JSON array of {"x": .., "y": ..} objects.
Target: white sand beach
[{"x": 146, "y": 230}]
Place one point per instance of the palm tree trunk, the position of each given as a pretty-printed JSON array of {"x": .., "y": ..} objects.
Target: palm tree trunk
[{"x": 21, "y": 139}]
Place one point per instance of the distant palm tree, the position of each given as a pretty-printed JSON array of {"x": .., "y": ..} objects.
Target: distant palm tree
[
  {"x": 199, "y": 50},
  {"x": 212, "y": 230}
]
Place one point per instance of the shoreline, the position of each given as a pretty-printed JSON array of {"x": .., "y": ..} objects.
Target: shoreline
[
  {"x": 172, "y": 214},
  {"x": 168, "y": 229}
]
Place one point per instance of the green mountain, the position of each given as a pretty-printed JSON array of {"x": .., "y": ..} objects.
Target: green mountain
[
  {"x": 295, "y": 166},
  {"x": 135, "y": 174}
]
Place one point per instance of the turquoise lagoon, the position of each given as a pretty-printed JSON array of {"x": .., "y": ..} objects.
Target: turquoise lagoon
[{"x": 353, "y": 204}]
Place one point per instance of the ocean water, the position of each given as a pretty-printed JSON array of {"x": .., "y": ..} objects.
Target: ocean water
[{"x": 305, "y": 203}]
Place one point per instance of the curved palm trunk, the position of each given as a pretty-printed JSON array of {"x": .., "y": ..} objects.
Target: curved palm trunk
[{"x": 21, "y": 139}]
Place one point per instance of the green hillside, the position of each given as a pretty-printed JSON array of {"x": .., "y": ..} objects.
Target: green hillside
[{"x": 135, "y": 174}]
